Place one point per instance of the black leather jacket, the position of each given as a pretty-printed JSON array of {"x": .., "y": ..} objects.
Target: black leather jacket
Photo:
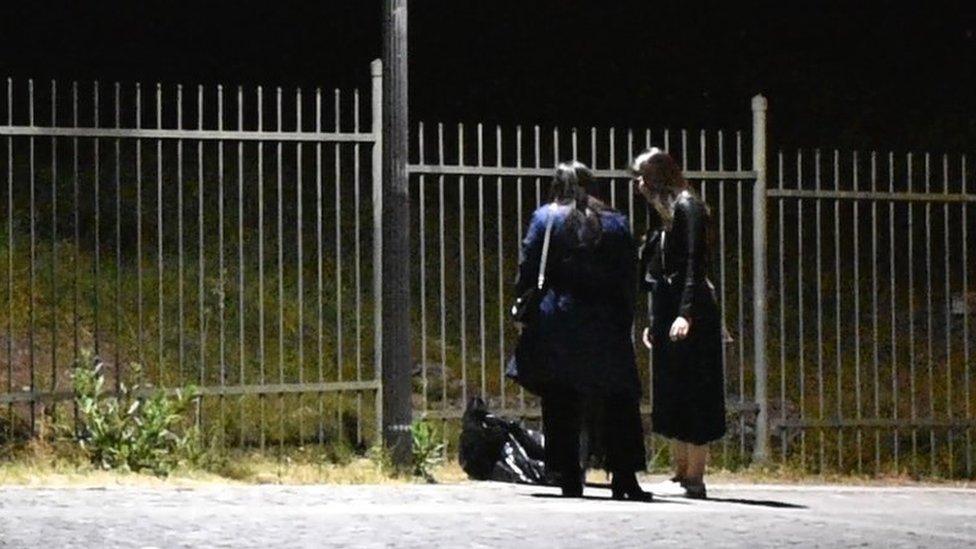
[{"x": 675, "y": 261}]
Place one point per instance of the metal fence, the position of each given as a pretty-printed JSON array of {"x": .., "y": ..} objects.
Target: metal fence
[
  {"x": 219, "y": 237},
  {"x": 229, "y": 238},
  {"x": 474, "y": 190},
  {"x": 871, "y": 304}
]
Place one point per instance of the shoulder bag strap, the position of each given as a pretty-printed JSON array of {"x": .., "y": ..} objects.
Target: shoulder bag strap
[{"x": 545, "y": 249}]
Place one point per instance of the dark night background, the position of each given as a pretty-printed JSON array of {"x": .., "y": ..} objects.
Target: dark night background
[{"x": 848, "y": 74}]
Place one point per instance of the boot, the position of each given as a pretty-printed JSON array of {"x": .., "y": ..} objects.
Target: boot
[{"x": 624, "y": 486}]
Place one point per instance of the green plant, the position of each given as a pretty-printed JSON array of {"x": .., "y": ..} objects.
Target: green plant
[
  {"x": 428, "y": 450},
  {"x": 138, "y": 429}
]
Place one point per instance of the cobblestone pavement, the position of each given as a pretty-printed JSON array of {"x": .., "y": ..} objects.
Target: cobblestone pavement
[{"x": 482, "y": 515}]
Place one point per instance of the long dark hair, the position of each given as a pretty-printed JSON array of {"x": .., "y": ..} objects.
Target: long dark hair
[
  {"x": 662, "y": 173},
  {"x": 568, "y": 188}
]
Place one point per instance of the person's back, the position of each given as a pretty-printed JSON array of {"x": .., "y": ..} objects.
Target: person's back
[{"x": 583, "y": 327}]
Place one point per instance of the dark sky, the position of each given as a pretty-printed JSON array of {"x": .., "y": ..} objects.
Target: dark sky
[{"x": 850, "y": 74}]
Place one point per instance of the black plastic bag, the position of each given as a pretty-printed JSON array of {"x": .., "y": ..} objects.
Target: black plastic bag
[{"x": 495, "y": 448}]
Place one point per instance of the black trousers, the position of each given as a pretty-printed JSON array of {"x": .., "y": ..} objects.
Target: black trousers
[{"x": 610, "y": 425}]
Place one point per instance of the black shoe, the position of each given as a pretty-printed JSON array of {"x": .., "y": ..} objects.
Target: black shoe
[
  {"x": 695, "y": 490},
  {"x": 572, "y": 485},
  {"x": 624, "y": 486}
]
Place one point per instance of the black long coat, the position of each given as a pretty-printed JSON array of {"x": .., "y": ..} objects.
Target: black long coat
[
  {"x": 688, "y": 380},
  {"x": 586, "y": 315}
]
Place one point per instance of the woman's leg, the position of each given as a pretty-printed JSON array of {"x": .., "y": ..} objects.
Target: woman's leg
[
  {"x": 679, "y": 459},
  {"x": 697, "y": 459},
  {"x": 624, "y": 443},
  {"x": 694, "y": 483},
  {"x": 561, "y": 426}
]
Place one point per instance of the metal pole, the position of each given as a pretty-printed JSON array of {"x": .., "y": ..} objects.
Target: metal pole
[
  {"x": 396, "y": 237},
  {"x": 761, "y": 450},
  {"x": 376, "y": 72}
]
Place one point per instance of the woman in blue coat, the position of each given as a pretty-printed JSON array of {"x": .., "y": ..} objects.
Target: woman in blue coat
[{"x": 584, "y": 328}]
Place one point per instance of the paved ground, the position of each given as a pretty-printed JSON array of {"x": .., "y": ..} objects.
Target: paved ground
[{"x": 482, "y": 515}]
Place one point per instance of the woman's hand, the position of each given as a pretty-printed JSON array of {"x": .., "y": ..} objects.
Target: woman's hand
[
  {"x": 680, "y": 328},
  {"x": 647, "y": 338}
]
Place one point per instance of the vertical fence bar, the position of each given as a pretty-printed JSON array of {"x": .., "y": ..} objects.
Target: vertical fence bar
[
  {"x": 555, "y": 146},
  {"x": 684, "y": 149},
  {"x": 721, "y": 278},
  {"x": 501, "y": 285},
  {"x": 118, "y": 244},
  {"x": 179, "y": 230},
  {"x": 574, "y": 144},
  {"x": 422, "y": 215},
  {"x": 613, "y": 156},
  {"x": 139, "y": 296},
  {"x": 241, "y": 313},
  {"x": 837, "y": 312},
  {"x": 32, "y": 268},
  {"x": 54, "y": 239},
  {"x": 299, "y": 268},
  {"x": 96, "y": 264},
  {"x": 648, "y": 310},
  {"x": 10, "y": 256},
  {"x": 965, "y": 322},
  {"x": 702, "y": 163},
  {"x": 820, "y": 377},
  {"x": 281, "y": 269},
  {"x": 10, "y": 252},
  {"x": 857, "y": 315},
  {"x": 159, "y": 234},
  {"x": 340, "y": 348},
  {"x": 948, "y": 311},
  {"x": 518, "y": 245},
  {"x": 741, "y": 283},
  {"x": 630, "y": 190},
  {"x": 538, "y": 164},
  {"x": 481, "y": 265},
  {"x": 761, "y": 452},
  {"x": 221, "y": 266},
  {"x": 357, "y": 201},
  {"x": 320, "y": 325},
  {"x": 928, "y": 311},
  {"x": 201, "y": 332},
  {"x": 261, "y": 351},
  {"x": 891, "y": 272},
  {"x": 376, "y": 73},
  {"x": 76, "y": 274},
  {"x": 911, "y": 315},
  {"x": 874, "y": 313},
  {"x": 782, "y": 306},
  {"x": 442, "y": 257},
  {"x": 463, "y": 321},
  {"x": 799, "y": 309}
]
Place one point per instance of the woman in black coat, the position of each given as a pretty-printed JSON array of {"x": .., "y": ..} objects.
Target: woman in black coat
[
  {"x": 685, "y": 330},
  {"x": 584, "y": 330}
]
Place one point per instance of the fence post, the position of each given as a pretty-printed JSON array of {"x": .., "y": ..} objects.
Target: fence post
[
  {"x": 761, "y": 450},
  {"x": 397, "y": 383},
  {"x": 376, "y": 73}
]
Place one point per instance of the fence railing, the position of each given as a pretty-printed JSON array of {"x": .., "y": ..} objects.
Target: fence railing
[
  {"x": 871, "y": 304},
  {"x": 473, "y": 191},
  {"x": 229, "y": 238},
  {"x": 219, "y": 237}
]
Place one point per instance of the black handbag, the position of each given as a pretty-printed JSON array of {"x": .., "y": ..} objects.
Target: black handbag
[{"x": 526, "y": 365}]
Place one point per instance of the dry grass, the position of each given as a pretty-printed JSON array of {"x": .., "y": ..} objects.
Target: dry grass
[{"x": 43, "y": 464}]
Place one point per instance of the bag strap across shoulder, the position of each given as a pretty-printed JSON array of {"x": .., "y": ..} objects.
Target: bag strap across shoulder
[{"x": 545, "y": 248}]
